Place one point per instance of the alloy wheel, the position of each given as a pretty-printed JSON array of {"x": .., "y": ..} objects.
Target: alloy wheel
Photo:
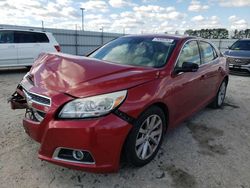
[{"x": 149, "y": 137}]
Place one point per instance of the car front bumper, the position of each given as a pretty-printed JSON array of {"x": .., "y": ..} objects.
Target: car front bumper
[{"x": 101, "y": 138}]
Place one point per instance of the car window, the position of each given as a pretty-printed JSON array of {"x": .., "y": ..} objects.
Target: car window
[
  {"x": 189, "y": 53},
  {"x": 137, "y": 51},
  {"x": 241, "y": 45},
  {"x": 6, "y": 37},
  {"x": 41, "y": 37},
  {"x": 30, "y": 37},
  {"x": 208, "y": 52}
]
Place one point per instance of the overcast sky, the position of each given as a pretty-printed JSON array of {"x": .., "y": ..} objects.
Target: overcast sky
[{"x": 147, "y": 16}]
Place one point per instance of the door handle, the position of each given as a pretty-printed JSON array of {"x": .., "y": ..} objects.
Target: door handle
[{"x": 204, "y": 76}]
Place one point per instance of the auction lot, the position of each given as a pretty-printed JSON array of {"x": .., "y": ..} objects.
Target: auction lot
[{"x": 211, "y": 149}]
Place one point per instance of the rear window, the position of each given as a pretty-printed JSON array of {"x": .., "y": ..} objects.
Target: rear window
[
  {"x": 30, "y": 37},
  {"x": 6, "y": 37}
]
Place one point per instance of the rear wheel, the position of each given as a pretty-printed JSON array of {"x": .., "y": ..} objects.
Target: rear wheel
[
  {"x": 146, "y": 137},
  {"x": 220, "y": 97}
]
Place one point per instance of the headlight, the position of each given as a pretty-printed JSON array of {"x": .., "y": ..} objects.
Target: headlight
[{"x": 93, "y": 106}]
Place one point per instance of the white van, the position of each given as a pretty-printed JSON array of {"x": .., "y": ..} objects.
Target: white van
[{"x": 21, "y": 47}]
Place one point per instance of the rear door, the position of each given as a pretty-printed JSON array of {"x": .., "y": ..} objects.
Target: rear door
[
  {"x": 210, "y": 69},
  {"x": 27, "y": 47},
  {"x": 8, "y": 50}
]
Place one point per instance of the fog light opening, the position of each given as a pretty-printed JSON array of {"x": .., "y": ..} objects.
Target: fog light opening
[
  {"x": 78, "y": 155},
  {"x": 73, "y": 155}
]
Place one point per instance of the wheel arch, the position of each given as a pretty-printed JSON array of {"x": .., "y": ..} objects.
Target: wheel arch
[
  {"x": 165, "y": 110},
  {"x": 226, "y": 79}
]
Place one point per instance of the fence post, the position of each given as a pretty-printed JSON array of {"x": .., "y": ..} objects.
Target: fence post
[
  {"x": 76, "y": 42},
  {"x": 219, "y": 45}
]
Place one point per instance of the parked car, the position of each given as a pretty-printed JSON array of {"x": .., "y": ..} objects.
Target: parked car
[
  {"x": 238, "y": 56},
  {"x": 88, "y": 111},
  {"x": 21, "y": 47}
]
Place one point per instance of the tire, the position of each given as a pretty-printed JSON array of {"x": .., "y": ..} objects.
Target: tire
[
  {"x": 221, "y": 94},
  {"x": 146, "y": 137}
]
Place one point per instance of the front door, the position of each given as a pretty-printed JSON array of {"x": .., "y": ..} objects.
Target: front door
[{"x": 186, "y": 89}]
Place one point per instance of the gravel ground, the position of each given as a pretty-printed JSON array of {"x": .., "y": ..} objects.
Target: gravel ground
[{"x": 210, "y": 150}]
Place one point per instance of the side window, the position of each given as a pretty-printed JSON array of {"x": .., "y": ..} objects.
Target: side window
[
  {"x": 30, "y": 37},
  {"x": 208, "y": 53},
  {"x": 41, "y": 38},
  {"x": 189, "y": 53},
  {"x": 6, "y": 37},
  {"x": 24, "y": 37}
]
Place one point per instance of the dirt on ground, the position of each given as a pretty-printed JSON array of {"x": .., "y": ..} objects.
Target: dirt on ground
[{"x": 209, "y": 150}]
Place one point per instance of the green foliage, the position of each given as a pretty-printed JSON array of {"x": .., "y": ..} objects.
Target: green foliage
[
  {"x": 219, "y": 33},
  {"x": 241, "y": 34}
]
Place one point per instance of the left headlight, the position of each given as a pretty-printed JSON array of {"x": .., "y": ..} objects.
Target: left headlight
[{"x": 93, "y": 106}]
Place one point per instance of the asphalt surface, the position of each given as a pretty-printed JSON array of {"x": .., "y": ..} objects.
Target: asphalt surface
[{"x": 209, "y": 150}]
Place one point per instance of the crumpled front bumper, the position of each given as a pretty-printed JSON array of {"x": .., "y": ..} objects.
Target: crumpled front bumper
[{"x": 102, "y": 137}]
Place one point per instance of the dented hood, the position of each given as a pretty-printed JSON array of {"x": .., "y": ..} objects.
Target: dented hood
[{"x": 82, "y": 76}]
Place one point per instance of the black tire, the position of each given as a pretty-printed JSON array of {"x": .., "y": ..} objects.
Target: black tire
[
  {"x": 218, "y": 100},
  {"x": 131, "y": 150}
]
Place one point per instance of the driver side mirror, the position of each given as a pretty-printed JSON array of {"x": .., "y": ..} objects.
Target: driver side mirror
[
  {"x": 187, "y": 67},
  {"x": 229, "y": 47}
]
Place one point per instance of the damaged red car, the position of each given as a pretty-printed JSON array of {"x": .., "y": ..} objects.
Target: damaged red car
[{"x": 119, "y": 100}]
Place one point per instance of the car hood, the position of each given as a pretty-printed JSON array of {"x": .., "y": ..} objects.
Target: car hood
[
  {"x": 82, "y": 76},
  {"x": 238, "y": 53}
]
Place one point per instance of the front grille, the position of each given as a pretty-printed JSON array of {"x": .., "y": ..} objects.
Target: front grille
[
  {"x": 239, "y": 71},
  {"x": 37, "y": 98},
  {"x": 238, "y": 61}
]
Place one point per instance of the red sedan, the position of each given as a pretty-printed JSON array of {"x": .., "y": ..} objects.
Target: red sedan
[{"x": 88, "y": 111}]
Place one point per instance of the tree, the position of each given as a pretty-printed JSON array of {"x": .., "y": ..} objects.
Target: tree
[
  {"x": 247, "y": 33},
  {"x": 220, "y": 33}
]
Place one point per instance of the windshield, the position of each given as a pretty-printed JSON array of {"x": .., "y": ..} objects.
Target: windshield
[
  {"x": 241, "y": 45},
  {"x": 137, "y": 51}
]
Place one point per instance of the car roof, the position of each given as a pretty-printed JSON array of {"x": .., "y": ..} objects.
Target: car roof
[
  {"x": 27, "y": 30},
  {"x": 175, "y": 37}
]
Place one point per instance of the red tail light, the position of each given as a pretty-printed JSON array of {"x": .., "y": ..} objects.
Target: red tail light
[{"x": 58, "y": 48}]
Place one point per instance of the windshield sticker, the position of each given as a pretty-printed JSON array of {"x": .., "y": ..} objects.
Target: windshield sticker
[{"x": 163, "y": 40}]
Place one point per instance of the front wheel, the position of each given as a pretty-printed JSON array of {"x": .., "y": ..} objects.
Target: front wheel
[
  {"x": 146, "y": 137},
  {"x": 220, "y": 97}
]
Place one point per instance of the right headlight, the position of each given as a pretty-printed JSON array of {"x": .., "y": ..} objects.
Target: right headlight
[{"x": 93, "y": 106}]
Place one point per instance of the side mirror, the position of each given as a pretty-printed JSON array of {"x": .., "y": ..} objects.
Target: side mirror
[
  {"x": 229, "y": 47},
  {"x": 187, "y": 67}
]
